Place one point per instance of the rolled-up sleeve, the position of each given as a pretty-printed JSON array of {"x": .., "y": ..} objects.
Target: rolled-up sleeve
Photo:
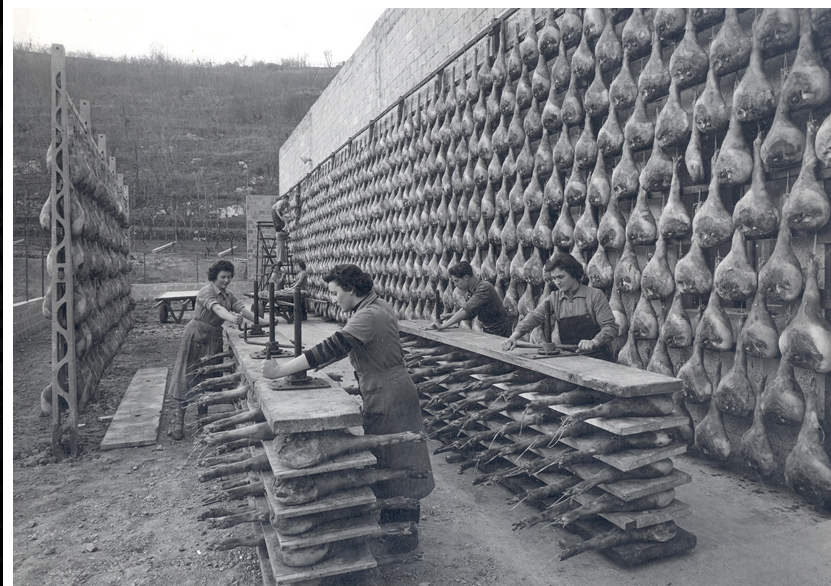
[
  {"x": 535, "y": 319},
  {"x": 333, "y": 348},
  {"x": 478, "y": 298},
  {"x": 603, "y": 315}
]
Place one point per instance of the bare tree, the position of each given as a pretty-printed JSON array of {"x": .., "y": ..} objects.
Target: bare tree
[{"x": 327, "y": 56}]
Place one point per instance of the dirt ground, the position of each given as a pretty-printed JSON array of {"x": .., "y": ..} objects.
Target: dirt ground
[{"x": 129, "y": 516}]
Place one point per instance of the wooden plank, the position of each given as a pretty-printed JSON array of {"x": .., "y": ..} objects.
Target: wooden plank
[
  {"x": 342, "y": 462},
  {"x": 346, "y": 557},
  {"x": 623, "y": 425},
  {"x": 177, "y": 295},
  {"x": 340, "y": 500},
  {"x": 633, "y": 554},
  {"x": 338, "y": 530},
  {"x": 631, "y": 459},
  {"x": 294, "y": 411},
  {"x": 616, "y": 379},
  {"x": 265, "y": 566},
  {"x": 627, "y": 490},
  {"x": 636, "y": 520},
  {"x": 136, "y": 422}
]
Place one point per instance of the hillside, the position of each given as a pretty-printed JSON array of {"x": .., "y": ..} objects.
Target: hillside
[{"x": 190, "y": 139}]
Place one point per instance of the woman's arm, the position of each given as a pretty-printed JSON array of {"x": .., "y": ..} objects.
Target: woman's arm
[
  {"x": 271, "y": 369},
  {"x": 228, "y": 315}
]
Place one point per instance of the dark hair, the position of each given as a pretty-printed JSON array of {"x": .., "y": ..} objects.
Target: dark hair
[
  {"x": 218, "y": 267},
  {"x": 302, "y": 265},
  {"x": 350, "y": 278},
  {"x": 566, "y": 262},
  {"x": 461, "y": 269}
]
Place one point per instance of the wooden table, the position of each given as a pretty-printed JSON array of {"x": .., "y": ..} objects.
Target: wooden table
[{"x": 165, "y": 304}]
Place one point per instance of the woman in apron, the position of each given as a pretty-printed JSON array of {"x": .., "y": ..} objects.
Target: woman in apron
[
  {"x": 390, "y": 400},
  {"x": 581, "y": 313},
  {"x": 203, "y": 334}
]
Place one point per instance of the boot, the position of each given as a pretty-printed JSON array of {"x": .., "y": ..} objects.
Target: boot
[{"x": 178, "y": 432}]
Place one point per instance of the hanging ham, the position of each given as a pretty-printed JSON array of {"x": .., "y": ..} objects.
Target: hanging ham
[
  {"x": 712, "y": 223},
  {"x": 641, "y": 228},
  {"x": 756, "y": 214},
  {"x": 780, "y": 278},
  {"x": 596, "y": 100},
  {"x": 784, "y": 143},
  {"x": 781, "y": 401},
  {"x": 657, "y": 281},
  {"x": 677, "y": 330},
  {"x": 563, "y": 232},
  {"x": 615, "y": 303},
  {"x": 669, "y": 23},
  {"x": 697, "y": 386},
  {"x": 710, "y": 435},
  {"x": 735, "y": 278},
  {"x": 692, "y": 275},
  {"x": 654, "y": 80},
  {"x": 639, "y": 131},
  {"x": 689, "y": 63},
  {"x": 734, "y": 393},
  {"x": 548, "y": 41},
  {"x": 714, "y": 329},
  {"x": 660, "y": 361},
  {"x": 623, "y": 90},
  {"x": 600, "y": 271},
  {"x": 777, "y": 30},
  {"x": 610, "y": 137},
  {"x": 626, "y": 176},
  {"x": 755, "y": 445},
  {"x": 753, "y": 98},
  {"x": 636, "y": 35},
  {"x": 608, "y": 50},
  {"x": 628, "y": 354},
  {"x": 807, "y": 209},
  {"x": 585, "y": 229},
  {"x": 656, "y": 175},
  {"x": 644, "y": 325},
  {"x": 733, "y": 163},
  {"x": 807, "y": 468},
  {"x": 710, "y": 113},
  {"x": 692, "y": 157},
  {"x": 627, "y": 271},
  {"x": 674, "y": 221},
  {"x": 759, "y": 336},
  {"x": 730, "y": 49},
  {"x": 599, "y": 188},
  {"x": 806, "y": 342},
  {"x": 808, "y": 84},
  {"x": 822, "y": 143},
  {"x": 611, "y": 230},
  {"x": 561, "y": 70}
]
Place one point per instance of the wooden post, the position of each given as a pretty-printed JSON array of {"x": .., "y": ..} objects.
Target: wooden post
[
  {"x": 63, "y": 322},
  {"x": 86, "y": 120}
]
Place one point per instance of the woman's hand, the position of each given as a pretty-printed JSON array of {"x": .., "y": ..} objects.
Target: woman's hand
[
  {"x": 238, "y": 319},
  {"x": 435, "y": 326},
  {"x": 272, "y": 370},
  {"x": 587, "y": 345},
  {"x": 509, "y": 344}
]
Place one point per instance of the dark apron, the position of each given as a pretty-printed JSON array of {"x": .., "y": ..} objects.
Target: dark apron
[{"x": 582, "y": 327}]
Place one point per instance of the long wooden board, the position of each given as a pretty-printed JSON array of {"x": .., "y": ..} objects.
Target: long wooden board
[
  {"x": 338, "y": 530},
  {"x": 616, "y": 379},
  {"x": 348, "y": 498},
  {"x": 627, "y": 490},
  {"x": 637, "y": 520},
  {"x": 294, "y": 411},
  {"x": 624, "y": 425},
  {"x": 136, "y": 421},
  {"x": 349, "y": 557},
  {"x": 631, "y": 459},
  {"x": 342, "y": 462}
]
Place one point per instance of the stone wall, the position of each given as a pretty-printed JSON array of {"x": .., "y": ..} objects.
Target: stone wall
[{"x": 28, "y": 318}]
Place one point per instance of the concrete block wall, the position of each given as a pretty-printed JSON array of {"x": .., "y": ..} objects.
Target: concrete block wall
[
  {"x": 28, "y": 318},
  {"x": 149, "y": 291},
  {"x": 403, "y": 47}
]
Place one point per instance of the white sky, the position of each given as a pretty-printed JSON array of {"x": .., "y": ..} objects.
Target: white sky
[{"x": 189, "y": 31}]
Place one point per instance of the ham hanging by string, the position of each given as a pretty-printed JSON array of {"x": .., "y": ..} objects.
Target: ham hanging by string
[
  {"x": 780, "y": 278},
  {"x": 674, "y": 221},
  {"x": 777, "y": 30},
  {"x": 706, "y": 17},
  {"x": 599, "y": 270},
  {"x": 582, "y": 63},
  {"x": 733, "y": 162},
  {"x": 692, "y": 157},
  {"x": 571, "y": 28},
  {"x": 806, "y": 342},
  {"x": 710, "y": 113},
  {"x": 734, "y": 393},
  {"x": 730, "y": 49},
  {"x": 639, "y": 130},
  {"x": 623, "y": 90},
  {"x": 615, "y": 303},
  {"x": 644, "y": 320},
  {"x": 677, "y": 330},
  {"x": 808, "y": 84},
  {"x": 608, "y": 49},
  {"x": 626, "y": 176},
  {"x": 548, "y": 41},
  {"x": 807, "y": 209},
  {"x": 657, "y": 173},
  {"x": 692, "y": 275},
  {"x": 599, "y": 188},
  {"x": 641, "y": 229},
  {"x": 782, "y": 401},
  {"x": 822, "y": 143},
  {"x": 611, "y": 230},
  {"x": 755, "y": 445},
  {"x": 689, "y": 63},
  {"x": 735, "y": 278},
  {"x": 712, "y": 223},
  {"x": 714, "y": 329},
  {"x": 656, "y": 280},
  {"x": 710, "y": 435},
  {"x": 669, "y": 23},
  {"x": 585, "y": 229},
  {"x": 697, "y": 385},
  {"x": 755, "y": 214},
  {"x": 636, "y": 36},
  {"x": 654, "y": 80},
  {"x": 759, "y": 336},
  {"x": 610, "y": 138},
  {"x": 660, "y": 361},
  {"x": 628, "y": 355},
  {"x": 784, "y": 144},
  {"x": 627, "y": 271},
  {"x": 807, "y": 467},
  {"x": 561, "y": 70},
  {"x": 753, "y": 98}
]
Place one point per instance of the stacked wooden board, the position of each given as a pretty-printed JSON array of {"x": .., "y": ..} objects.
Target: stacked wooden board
[{"x": 535, "y": 467}]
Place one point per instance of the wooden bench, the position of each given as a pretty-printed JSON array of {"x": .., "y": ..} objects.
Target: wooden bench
[{"x": 166, "y": 300}]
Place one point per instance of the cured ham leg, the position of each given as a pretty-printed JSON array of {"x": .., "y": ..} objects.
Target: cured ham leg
[
  {"x": 806, "y": 342},
  {"x": 807, "y": 468},
  {"x": 302, "y": 450},
  {"x": 660, "y": 533}
]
